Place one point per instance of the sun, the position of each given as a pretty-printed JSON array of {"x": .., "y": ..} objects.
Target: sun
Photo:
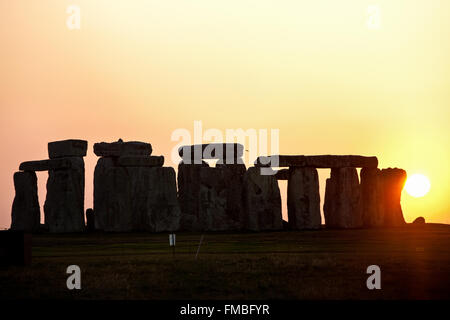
[{"x": 417, "y": 185}]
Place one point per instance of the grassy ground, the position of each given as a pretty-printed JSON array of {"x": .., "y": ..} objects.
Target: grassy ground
[{"x": 325, "y": 264}]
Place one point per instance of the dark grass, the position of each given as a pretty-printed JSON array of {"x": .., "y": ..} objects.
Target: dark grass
[{"x": 325, "y": 264}]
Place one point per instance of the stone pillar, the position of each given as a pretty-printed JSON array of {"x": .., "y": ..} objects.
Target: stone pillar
[
  {"x": 393, "y": 180},
  {"x": 25, "y": 214},
  {"x": 262, "y": 201},
  {"x": 303, "y": 198},
  {"x": 211, "y": 198},
  {"x": 90, "y": 220},
  {"x": 64, "y": 203},
  {"x": 342, "y": 207},
  {"x": 132, "y": 189},
  {"x": 371, "y": 198}
]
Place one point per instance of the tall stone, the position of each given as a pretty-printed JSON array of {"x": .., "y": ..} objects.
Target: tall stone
[
  {"x": 135, "y": 198},
  {"x": 25, "y": 214},
  {"x": 211, "y": 197},
  {"x": 189, "y": 196},
  {"x": 393, "y": 181},
  {"x": 342, "y": 207},
  {"x": 303, "y": 198},
  {"x": 262, "y": 201},
  {"x": 64, "y": 204},
  {"x": 372, "y": 198}
]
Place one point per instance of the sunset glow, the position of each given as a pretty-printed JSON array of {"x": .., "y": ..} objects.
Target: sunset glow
[{"x": 417, "y": 185}]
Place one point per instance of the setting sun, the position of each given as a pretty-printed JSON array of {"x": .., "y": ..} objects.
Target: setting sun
[{"x": 417, "y": 185}]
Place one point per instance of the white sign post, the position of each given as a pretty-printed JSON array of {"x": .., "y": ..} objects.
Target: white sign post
[{"x": 172, "y": 242}]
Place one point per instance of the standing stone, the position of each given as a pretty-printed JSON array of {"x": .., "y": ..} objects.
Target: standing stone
[
  {"x": 211, "y": 198},
  {"x": 393, "y": 181},
  {"x": 303, "y": 199},
  {"x": 342, "y": 207},
  {"x": 121, "y": 148},
  {"x": 371, "y": 198},
  {"x": 189, "y": 195},
  {"x": 25, "y": 209},
  {"x": 101, "y": 191},
  {"x": 90, "y": 220},
  {"x": 262, "y": 201},
  {"x": 64, "y": 204},
  {"x": 135, "y": 198}
]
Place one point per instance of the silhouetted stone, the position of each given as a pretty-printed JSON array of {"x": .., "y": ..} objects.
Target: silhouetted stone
[
  {"x": 135, "y": 198},
  {"x": 393, "y": 181},
  {"x": 64, "y": 204},
  {"x": 120, "y": 148},
  {"x": 229, "y": 153},
  {"x": 342, "y": 207},
  {"x": 303, "y": 199},
  {"x": 321, "y": 161},
  {"x": 52, "y": 164},
  {"x": 140, "y": 161},
  {"x": 90, "y": 220},
  {"x": 211, "y": 198},
  {"x": 282, "y": 174},
  {"x": 419, "y": 221},
  {"x": 372, "y": 197},
  {"x": 67, "y": 148},
  {"x": 15, "y": 248},
  {"x": 25, "y": 215},
  {"x": 262, "y": 201}
]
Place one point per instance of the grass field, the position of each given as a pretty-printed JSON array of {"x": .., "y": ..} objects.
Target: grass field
[{"x": 325, "y": 264}]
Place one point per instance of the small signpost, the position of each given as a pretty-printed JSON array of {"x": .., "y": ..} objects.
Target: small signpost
[{"x": 172, "y": 242}]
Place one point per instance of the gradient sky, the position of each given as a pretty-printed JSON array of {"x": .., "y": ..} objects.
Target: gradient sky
[{"x": 138, "y": 70}]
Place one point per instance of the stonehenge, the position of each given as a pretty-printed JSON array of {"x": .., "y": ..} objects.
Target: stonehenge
[
  {"x": 134, "y": 191},
  {"x": 64, "y": 203}
]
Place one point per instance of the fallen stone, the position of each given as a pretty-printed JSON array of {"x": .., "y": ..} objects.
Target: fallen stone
[
  {"x": 303, "y": 199},
  {"x": 262, "y": 201},
  {"x": 393, "y": 180},
  {"x": 228, "y": 152},
  {"x": 371, "y": 198},
  {"x": 67, "y": 148},
  {"x": 52, "y": 164},
  {"x": 25, "y": 213},
  {"x": 419, "y": 221},
  {"x": 321, "y": 161},
  {"x": 120, "y": 148},
  {"x": 64, "y": 204},
  {"x": 342, "y": 207},
  {"x": 140, "y": 161}
]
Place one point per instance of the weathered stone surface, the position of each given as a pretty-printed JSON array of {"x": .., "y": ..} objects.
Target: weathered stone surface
[
  {"x": 228, "y": 152},
  {"x": 321, "y": 161},
  {"x": 90, "y": 220},
  {"x": 371, "y": 197},
  {"x": 64, "y": 204},
  {"x": 51, "y": 164},
  {"x": 120, "y": 148},
  {"x": 135, "y": 198},
  {"x": 211, "y": 198},
  {"x": 393, "y": 181},
  {"x": 342, "y": 207},
  {"x": 282, "y": 174},
  {"x": 140, "y": 161},
  {"x": 67, "y": 148},
  {"x": 262, "y": 201},
  {"x": 25, "y": 213},
  {"x": 303, "y": 199}
]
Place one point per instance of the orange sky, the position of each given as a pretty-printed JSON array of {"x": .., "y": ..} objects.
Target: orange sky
[{"x": 138, "y": 70}]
